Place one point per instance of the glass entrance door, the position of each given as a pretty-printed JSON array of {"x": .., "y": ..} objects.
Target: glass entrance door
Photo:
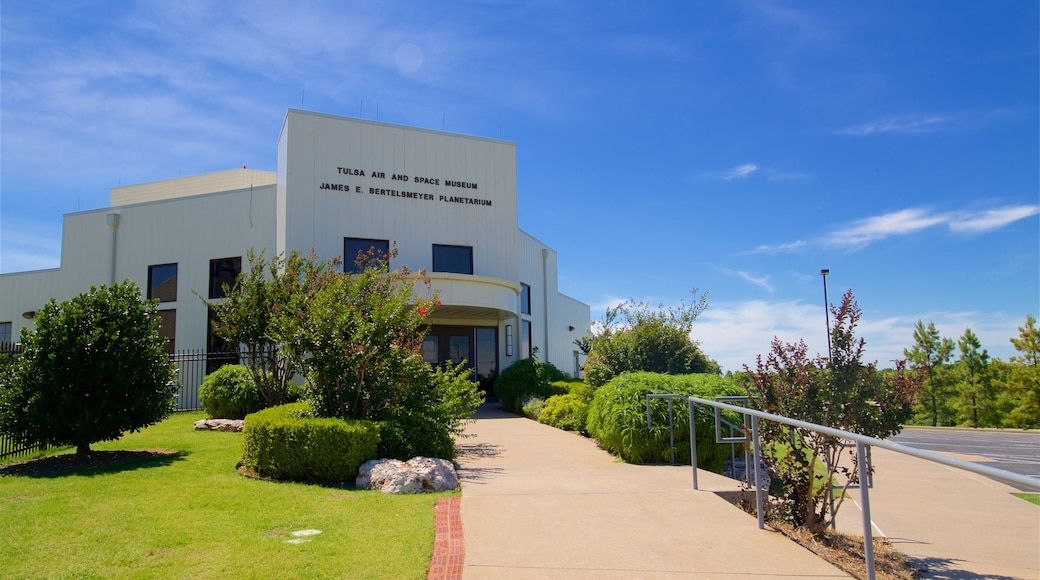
[{"x": 476, "y": 345}]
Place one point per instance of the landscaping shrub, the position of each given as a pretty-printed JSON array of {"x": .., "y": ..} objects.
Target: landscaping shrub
[
  {"x": 533, "y": 408},
  {"x": 572, "y": 387},
  {"x": 617, "y": 418},
  {"x": 568, "y": 412},
  {"x": 524, "y": 379},
  {"x": 230, "y": 393},
  {"x": 287, "y": 442},
  {"x": 414, "y": 435}
]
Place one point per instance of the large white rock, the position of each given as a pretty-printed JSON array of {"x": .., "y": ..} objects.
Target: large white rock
[
  {"x": 417, "y": 475},
  {"x": 219, "y": 424}
]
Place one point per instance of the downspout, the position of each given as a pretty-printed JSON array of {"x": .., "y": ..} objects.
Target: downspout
[
  {"x": 545, "y": 300},
  {"x": 112, "y": 221}
]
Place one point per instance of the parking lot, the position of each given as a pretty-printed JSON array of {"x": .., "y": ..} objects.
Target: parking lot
[{"x": 1017, "y": 451}]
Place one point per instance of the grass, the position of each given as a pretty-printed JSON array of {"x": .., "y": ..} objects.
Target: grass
[
  {"x": 1030, "y": 497},
  {"x": 191, "y": 515}
]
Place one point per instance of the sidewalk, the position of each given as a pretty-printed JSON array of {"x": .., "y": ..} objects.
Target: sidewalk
[
  {"x": 957, "y": 523},
  {"x": 538, "y": 502}
]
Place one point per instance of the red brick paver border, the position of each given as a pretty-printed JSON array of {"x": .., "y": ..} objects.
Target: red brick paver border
[{"x": 449, "y": 551}]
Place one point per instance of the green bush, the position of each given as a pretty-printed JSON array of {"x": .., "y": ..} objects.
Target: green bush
[
  {"x": 568, "y": 412},
  {"x": 617, "y": 418},
  {"x": 533, "y": 408},
  {"x": 573, "y": 387},
  {"x": 287, "y": 442},
  {"x": 524, "y": 379},
  {"x": 414, "y": 435},
  {"x": 230, "y": 393}
]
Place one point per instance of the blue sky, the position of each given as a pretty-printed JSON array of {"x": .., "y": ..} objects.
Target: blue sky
[{"x": 735, "y": 147}]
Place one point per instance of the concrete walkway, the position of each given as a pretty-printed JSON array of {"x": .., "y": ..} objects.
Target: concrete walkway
[
  {"x": 958, "y": 524},
  {"x": 538, "y": 502}
]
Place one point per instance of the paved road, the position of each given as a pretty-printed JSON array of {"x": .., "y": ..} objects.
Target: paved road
[{"x": 1017, "y": 451}]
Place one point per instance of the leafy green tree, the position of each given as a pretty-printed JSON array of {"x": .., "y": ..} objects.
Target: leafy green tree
[
  {"x": 636, "y": 337},
  {"x": 247, "y": 316},
  {"x": 931, "y": 352},
  {"x": 841, "y": 392},
  {"x": 976, "y": 401},
  {"x": 94, "y": 368},
  {"x": 1024, "y": 383}
]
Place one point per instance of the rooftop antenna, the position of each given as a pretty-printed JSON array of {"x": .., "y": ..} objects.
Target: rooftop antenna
[
  {"x": 303, "y": 94},
  {"x": 377, "y": 111},
  {"x": 442, "y": 121},
  {"x": 362, "y": 109}
]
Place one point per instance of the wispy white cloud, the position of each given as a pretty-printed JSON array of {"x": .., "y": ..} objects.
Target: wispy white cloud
[
  {"x": 904, "y": 124},
  {"x": 876, "y": 228},
  {"x": 761, "y": 281},
  {"x": 739, "y": 172},
  {"x": 905, "y": 222},
  {"x": 785, "y": 248},
  {"x": 979, "y": 222}
]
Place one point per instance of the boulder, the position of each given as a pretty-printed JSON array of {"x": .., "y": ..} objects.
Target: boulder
[
  {"x": 219, "y": 424},
  {"x": 417, "y": 475}
]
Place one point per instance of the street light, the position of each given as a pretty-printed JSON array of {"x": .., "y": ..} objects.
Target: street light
[{"x": 826, "y": 312}]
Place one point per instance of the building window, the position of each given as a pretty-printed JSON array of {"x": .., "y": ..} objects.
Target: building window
[
  {"x": 430, "y": 350},
  {"x": 525, "y": 298},
  {"x": 365, "y": 250},
  {"x": 223, "y": 271},
  {"x": 6, "y": 330},
  {"x": 162, "y": 282},
  {"x": 219, "y": 351},
  {"x": 456, "y": 259},
  {"x": 168, "y": 329},
  {"x": 525, "y": 339},
  {"x": 577, "y": 365}
]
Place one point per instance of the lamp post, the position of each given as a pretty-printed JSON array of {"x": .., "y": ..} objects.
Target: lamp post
[{"x": 826, "y": 312}]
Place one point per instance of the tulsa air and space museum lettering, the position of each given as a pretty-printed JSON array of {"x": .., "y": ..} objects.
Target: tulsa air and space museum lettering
[{"x": 453, "y": 195}]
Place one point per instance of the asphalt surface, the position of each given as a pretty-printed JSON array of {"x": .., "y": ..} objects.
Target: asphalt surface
[{"x": 1016, "y": 451}]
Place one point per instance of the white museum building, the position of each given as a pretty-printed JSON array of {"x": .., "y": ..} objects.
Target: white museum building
[{"x": 447, "y": 202}]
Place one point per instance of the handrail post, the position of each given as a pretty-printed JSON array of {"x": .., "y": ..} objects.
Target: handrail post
[
  {"x": 864, "y": 496},
  {"x": 693, "y": 441},
  {"x": 755, "y": 451}
]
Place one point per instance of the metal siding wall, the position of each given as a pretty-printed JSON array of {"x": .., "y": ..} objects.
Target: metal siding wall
[{"x": 321, "y": 218}]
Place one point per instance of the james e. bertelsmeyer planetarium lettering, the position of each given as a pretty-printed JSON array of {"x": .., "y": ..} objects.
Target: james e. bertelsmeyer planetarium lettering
[{"x": 416, "y": 195}]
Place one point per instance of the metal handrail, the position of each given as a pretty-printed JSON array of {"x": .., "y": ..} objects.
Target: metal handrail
[{"x": 863, "y": 443}]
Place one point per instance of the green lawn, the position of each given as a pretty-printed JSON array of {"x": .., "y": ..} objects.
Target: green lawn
[
  {"x": 193, "y": 516},
  {"x": 1030, "y": 497}
]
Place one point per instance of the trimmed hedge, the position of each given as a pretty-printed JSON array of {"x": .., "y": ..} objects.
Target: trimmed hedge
[
  {"x": 230, "y": 393},
  {"x": 617, "y": 418},
  {"x": 568, "y": 412},
  {"x": 414, "y": 435},
  {"x": 526, "y": 379},
  {"x": 288, "y": 442}
]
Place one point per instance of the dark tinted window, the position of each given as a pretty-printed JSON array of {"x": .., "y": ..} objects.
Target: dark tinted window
[
  {"x": 162, "y": 282},
  {"x": 168, "y": 328},
  {"x": 223, "y": 271},
  {"x": 457, "y": 259},
  {"x": 525, "y": 299},
  {"x": 366, "y": 250}
]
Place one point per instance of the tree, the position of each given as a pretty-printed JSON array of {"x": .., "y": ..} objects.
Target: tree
[
  {"x": 636, "y": 337},
  {"x": 839, "y": 391},
  {"x": 93, "y": 369},
  {"x": 1024, "y": 383},
  {"x": 931, "y": 352},
  {"x": 246, "y": 317},
  {"x": 975, "y": 393}
]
